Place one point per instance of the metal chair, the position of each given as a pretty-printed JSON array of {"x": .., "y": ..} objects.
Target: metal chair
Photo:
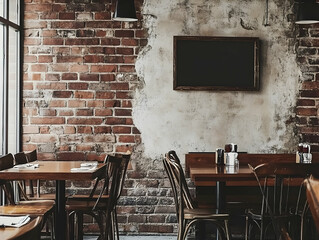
[
  {"x": 187, "y": 213},
  {"x": 279, "y": 210},
  {"x": 102, "y": 206}
]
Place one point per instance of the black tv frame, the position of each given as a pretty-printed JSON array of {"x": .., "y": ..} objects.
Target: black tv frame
[{"x": 242, "y": 46}]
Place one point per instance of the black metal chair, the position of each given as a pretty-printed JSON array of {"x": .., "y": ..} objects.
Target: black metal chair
[
  {"x": 102, "y": 206},
  {"x": 279, "y": 209},
  {"x": 186, "y": 211}
]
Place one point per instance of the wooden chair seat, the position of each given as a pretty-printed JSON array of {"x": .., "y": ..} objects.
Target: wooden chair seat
[
  {"x": 32, "y": 208},
  {"x": 83, "y": 205},
  {"x": 30, "y": 231},
  {"x": 201, "y": 213}
]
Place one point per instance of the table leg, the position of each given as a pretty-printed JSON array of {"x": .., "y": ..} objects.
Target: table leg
[
  {"x": 220, "y": 200},
  {"x": 60, "y": 215},
  {"x": 220, "y": 197}
]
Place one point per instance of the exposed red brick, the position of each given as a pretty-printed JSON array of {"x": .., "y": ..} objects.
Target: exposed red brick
[
  {"x": 84, "y": 129},
  {"x": 102, "y": 129},
  {"x": 68, "y": 59},
  {"x": 129, "y": 42},
  {"x": 123, "y": 112},
  {"x": 107, "y": 77},
  {"x": 53, "y": 41},
  {"x": 62, "y": 94},
  {"x": 124, "y": 51},
  {"x": 47, "y": 120},
  {"x": 67, "y": 15},
  {"x": 103, "y": 16},
  {"x": 307, "y": 111},
  {"x": 69, "y": 76},
  {"x": 126, "y": 139},
  {"x": 93, "y": 59},
  {"x": 85, "y": 33},
  {"x": 105, "y": 95},
  {"x": 110, "y": 41},
  {"x": 95, "y": 103},
  {"x": 84, "y": 41},
  {"x": 124, "y": 33},
  {"x": 78, "y": 86},
  {"x": 85, "y": 121},
  {"x": 119, "y": 86},
  {"x": 104, "y": 68},
  {"x": 78, "y": 156},
  {"x": 83, "y": 94},
  {"x": 45, "y": 59},
  {"x": 103, "y": 112},
  {"x": 89, "y": 77},
  {"x": 84, "y": 112}
]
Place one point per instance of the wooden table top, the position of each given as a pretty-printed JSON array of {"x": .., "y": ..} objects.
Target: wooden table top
[
  {"x": 220, "y": 173},
  {"x": 52, "y": 170}
]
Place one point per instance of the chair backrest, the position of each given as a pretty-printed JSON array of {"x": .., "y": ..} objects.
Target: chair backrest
[
  {"x": 20, "y": 158},
  {"x": 275, "y": 181},
  {"x": 32, "y": 156},
  {"x": 125, "y": 158},
  {"x": 114, "y": 179},
  {"x": 5, "y": 163},
  {"x": 181, "y": 194},
  {"x": 312, "y": 193}
]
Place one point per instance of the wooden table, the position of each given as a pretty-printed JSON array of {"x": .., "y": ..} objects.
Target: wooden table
[
  {"x": 219, "y": 175},
  {"x": 59, "y": 171}
]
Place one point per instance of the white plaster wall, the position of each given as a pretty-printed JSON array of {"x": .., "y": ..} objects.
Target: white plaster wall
[{"x": 204, "y": 120}]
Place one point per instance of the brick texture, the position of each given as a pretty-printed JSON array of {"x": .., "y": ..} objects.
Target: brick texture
[
  {"x": 79, "y": 81},
  {"x": 308, "y": 100}
]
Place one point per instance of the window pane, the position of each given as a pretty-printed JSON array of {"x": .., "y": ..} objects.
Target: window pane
[
  {"x": 2, "y": 8},
  {"x": 1, "y": 87},
  {"x": 13, "y": 11},
  {"x": 13, "y": 93}
]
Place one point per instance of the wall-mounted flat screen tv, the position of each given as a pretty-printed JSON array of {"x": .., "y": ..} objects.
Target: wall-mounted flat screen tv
[{"x": 216, "y": 63}]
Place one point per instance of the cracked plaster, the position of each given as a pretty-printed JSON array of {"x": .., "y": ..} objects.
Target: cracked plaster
[{"x": 204, "y": 120}]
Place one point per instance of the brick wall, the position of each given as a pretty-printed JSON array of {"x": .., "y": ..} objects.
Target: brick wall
[
  {"x": 78, "y": 86},
  {"x": 308, "y": 99}
]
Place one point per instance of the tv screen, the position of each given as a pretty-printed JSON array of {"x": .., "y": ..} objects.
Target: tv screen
[{"x": 216, "y": 63}]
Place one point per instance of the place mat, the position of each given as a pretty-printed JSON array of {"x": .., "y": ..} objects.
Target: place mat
[{"x": 14, "y": 221}]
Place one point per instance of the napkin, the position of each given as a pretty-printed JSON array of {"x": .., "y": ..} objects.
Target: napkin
[
  {"x": 83, "y": 169},
  {"x": 89, "y": 164},
  {"x": 14, "y": 221},
  {"x": 27, "y": 165}
]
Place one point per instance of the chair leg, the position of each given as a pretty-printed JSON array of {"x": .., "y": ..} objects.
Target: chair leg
[
  {"x": 79, "y": 225},
  {"x": 180, "y": 234},
  {"x": 70, "y": 226},
  {"x": 38, "y": 188},
  {"x": 31, "y": 188},
  {"x": 261, "y": 237},
  {"x": 116, "y": 225},
  {"x": 302, "y": 220},
  {"x": 227, "y": 232}
]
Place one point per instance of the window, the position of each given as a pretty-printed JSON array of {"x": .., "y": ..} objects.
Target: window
[{"x": 11, "y": 49}]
